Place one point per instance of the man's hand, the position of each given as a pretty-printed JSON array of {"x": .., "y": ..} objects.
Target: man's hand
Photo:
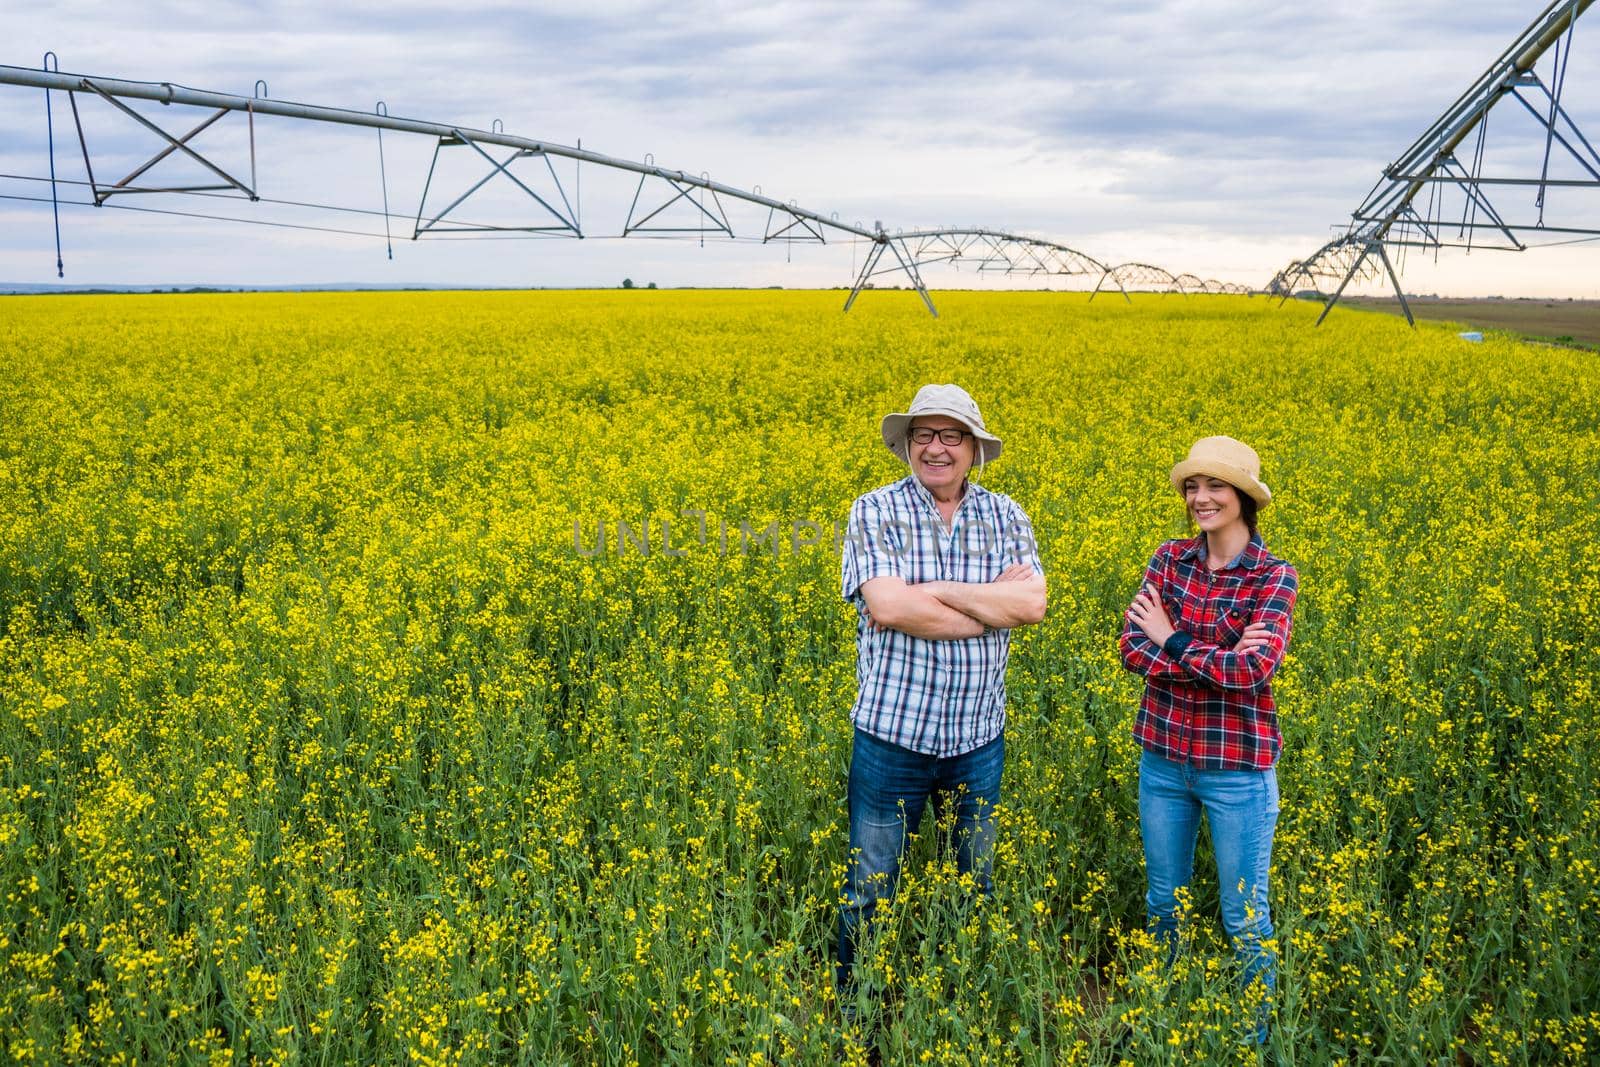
[
  {"x": 891, "y": 604},
  {"x": 1015, "y": 598},
  {"x": 1017, "y": 572}
]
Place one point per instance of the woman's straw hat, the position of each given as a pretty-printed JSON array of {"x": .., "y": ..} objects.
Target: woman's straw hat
[{"x": 1232, "y": 461}]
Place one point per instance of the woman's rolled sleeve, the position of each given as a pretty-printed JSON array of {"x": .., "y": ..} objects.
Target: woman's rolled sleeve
[{"x": 1222, "y": 668}]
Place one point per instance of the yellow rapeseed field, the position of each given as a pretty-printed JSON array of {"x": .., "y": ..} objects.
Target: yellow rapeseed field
[{"x": 421, "y": 678}]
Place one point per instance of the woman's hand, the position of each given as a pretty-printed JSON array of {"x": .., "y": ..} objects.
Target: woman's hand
[
  {"x": 1256, "y": 635},
  {"x": 1150, "y": 615}
]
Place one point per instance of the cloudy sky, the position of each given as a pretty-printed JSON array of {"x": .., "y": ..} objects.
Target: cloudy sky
[{"x": 1218, "y": 138}]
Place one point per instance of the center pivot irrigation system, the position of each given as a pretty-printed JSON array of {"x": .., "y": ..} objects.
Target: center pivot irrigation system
[
  {"x": 1431, "y": 199},
  {"x": 667, "y": 195}
]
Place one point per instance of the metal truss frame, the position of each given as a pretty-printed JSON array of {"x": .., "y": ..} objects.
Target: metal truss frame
[
  {"x": 779, "y": 230},
  {"x": 1390, "y": 217},
  {"x": 1344, "y": 258},
  {"x": 685, "y": 191},
  {"x": 1141, "y": 276},
  {"x": 103, "y": 192},
  {"x": 988, "y": 250},
  {"x": 568, "y": 223},
  {"x": 905, "y": 262},
  {"x": 1148, "y": 277},
  {"x": 900, "y": 253},
  {"x": 1340, "y": 260}
]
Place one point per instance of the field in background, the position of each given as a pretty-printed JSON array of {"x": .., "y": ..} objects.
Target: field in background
[
  {"x": 327, "y": 734},
  {"x": 1565, "y": 321}
]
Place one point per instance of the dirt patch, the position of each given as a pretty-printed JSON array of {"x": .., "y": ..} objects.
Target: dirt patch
[{"x": 1574, "y": 322}]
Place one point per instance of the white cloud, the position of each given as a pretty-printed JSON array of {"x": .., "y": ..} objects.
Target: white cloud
[{"x": 1212, "y": 133}]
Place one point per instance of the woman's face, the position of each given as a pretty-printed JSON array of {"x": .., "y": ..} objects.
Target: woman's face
[{"x": 1213, "y": 504}]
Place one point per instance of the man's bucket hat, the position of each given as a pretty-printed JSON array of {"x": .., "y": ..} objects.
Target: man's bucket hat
[
  {"x": 1232, "y": 461},
  {"x": 951, "y": 400}
]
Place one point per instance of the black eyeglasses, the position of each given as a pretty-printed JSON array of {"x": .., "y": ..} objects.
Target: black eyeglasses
[{"x": 924, "y": 435}]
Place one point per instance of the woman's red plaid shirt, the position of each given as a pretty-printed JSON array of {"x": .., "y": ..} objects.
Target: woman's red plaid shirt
[{"x": 1205, "y": 704}]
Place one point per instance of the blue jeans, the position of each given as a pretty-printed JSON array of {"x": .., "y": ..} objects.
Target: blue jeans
[
  {"x": 889, "y": 787},
  {"x": 1242, "y": 807}
]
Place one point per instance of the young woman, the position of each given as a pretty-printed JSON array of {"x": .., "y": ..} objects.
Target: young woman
[{"x": 1207, "y": 630}]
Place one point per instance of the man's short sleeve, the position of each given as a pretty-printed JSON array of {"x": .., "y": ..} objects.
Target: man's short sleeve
[
  {"x": 1020, "y": 544},
  {"x": 867, "y": 553}
]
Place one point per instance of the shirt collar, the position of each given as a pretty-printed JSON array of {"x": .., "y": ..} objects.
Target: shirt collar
[
  {"x": 969, "y": 490},
  {"x": 1253, "y": 556}
]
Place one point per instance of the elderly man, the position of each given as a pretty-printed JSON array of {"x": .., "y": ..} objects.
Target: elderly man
[{"x": 940, "y": 570}]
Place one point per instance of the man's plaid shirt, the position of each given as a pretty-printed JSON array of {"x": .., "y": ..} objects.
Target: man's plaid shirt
[
  {"x": 1205, "y": 704},
  {"x": 940, "y": 698}
]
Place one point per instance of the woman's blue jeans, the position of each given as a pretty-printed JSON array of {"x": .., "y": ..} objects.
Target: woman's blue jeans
[
  {"x": 1242, "y": 808},
  {"x": 889, "y": 787}
]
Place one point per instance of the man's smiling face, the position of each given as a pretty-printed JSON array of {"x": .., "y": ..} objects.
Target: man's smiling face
[{"x": 938, "y": 466}]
